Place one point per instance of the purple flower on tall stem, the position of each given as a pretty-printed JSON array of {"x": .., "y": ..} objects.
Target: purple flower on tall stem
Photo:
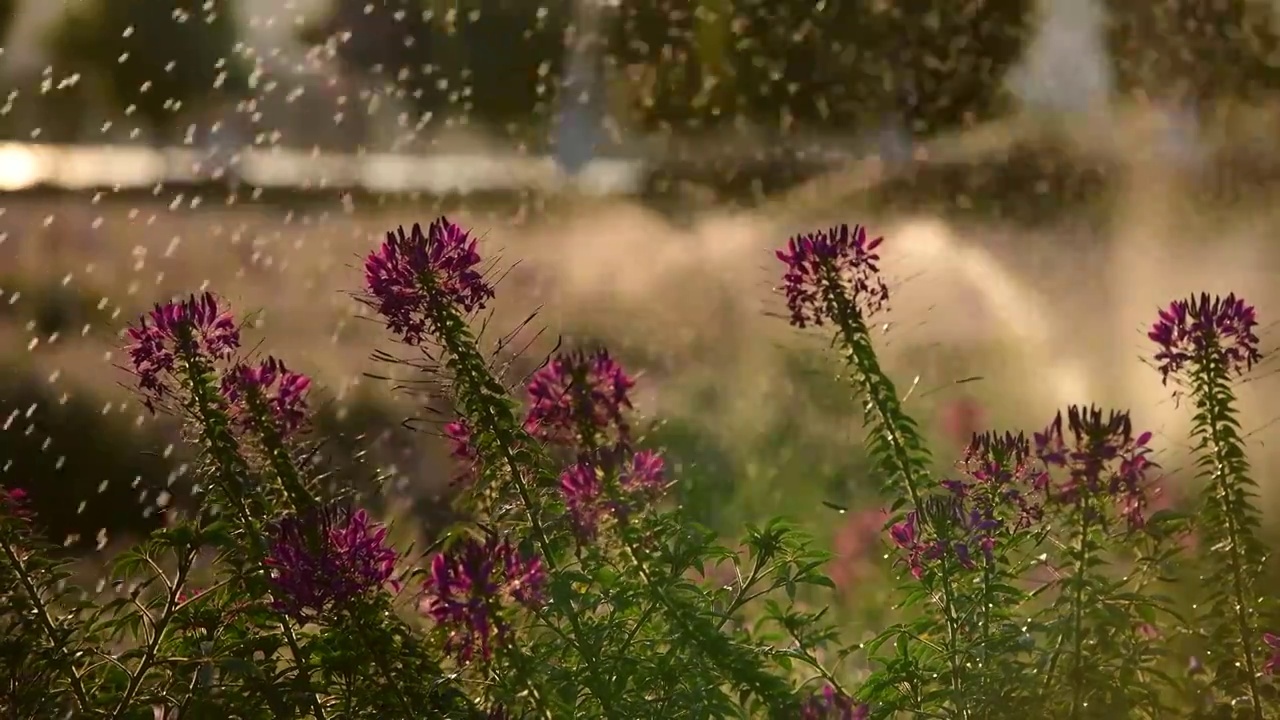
[
  {"x": 326, "y": 557},
  {"x": 578, "y": 399},
  {"x": 1201, "y": 329},
  {"x": 197, "y": 326},
  {"x": 1100, "y": 457},
  {"x": 1001, "y": 480},
  {"x": 267, "y": 391},
  {"x": 840, "y": 260},
  {"x": 413, "y": 272},
  {"x": 832, "y": 704},
  {"x": 468, "y": 587}
]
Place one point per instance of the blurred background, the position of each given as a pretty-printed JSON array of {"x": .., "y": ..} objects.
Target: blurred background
[{"x": 1046, "y": 173}]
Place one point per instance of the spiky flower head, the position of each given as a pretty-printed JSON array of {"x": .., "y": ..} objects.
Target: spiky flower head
[
  {"x": 579, "y": 398},
  {"x": 267, "y": 391},
  {"x": 1217, "y": 331},
  {"x": 469, "y": 587},
  {"x": 831, "y": 266},
  {"x": 414, "y": 272},
  {"x": 1099, "y": 456},
  {"x": 327, "y": 556},
  {"x": 198, "y": 327}
]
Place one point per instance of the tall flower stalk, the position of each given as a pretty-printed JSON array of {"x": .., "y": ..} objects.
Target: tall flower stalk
[
  {"x": 833, "y": 277},
  {"x": 425, "y": 284},
  {"x": 1203, "y": 344},
  {"x": 1096, "y": 475}
]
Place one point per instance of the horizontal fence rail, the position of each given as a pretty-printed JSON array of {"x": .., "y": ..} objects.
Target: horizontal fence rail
[{"x": 83, "y": 167}]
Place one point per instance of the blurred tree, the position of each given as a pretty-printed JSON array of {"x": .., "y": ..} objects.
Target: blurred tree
[
  {"x": 403, "y": 44},
  {"x": 491, "y": 63},
  {"x": 1194, "y": 52},
  {"x": 677, "y": 56},
  {"x": 154, "y": 58},
  {"x": 8, "y": 13},
  {"x": 514, "y": 53},
  {"x": 826, "y": 65}
]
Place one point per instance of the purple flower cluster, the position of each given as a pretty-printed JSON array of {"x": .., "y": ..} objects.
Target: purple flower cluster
[
  {"x": 906, "y": 535},
  {"x": 831, "y": 704},
  {"x": 413, "y": 273},
  {"x": 1100, "y": 458},
  {"x": 326, "y": 557},
  {"x": 994, "y": 495},
  {"x": 188, "y": 329},
  {"x": 840, "y": 260},
  {"x": 583, "y": 484},
  {"x": 462, "y": 450},
  {"x": 1001, "y": 477},
  {"x": 467, "y": 587},
  {"x": 1202, "y": 330},
  {"x": 645, "y": 473},
  {"x": 578, "y": 396},
  {"x": 582, "y": 488},
  {"x": 199, "y": 330},
  {"x": 270, "y": 389}
]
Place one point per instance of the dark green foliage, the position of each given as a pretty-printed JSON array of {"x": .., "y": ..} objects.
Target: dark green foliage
[
  {"x": 155, "y": 58},
  {"x": 794, "y": 64},
  {"x": 401, "y": 43},
  {"x": 1194, "y": 50},
  {"x": 781, "y": 66},
  {"x": 514, "y": 53},
  {"x": 67, "y": 453},
  {"x": 8, "y": 13}
]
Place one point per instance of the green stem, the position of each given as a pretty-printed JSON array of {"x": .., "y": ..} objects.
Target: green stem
[
  {"x": 157, "y": 636},
  {"x": 485, "y": 397},
  {"x": 896, "y": 433},
  {"x": 1085, "y": 509},
  {"x": 1209, "y": 395},
  {"x": 234, "y": 471},
  {"x": 46, "y": 623}
]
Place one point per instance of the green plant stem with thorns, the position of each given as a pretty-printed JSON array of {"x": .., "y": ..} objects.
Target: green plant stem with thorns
[
  {"x": 234, "y": 471},
  {"x": 46, "y": 624},
  {"x": 1085, "y": 510},
  {"x": 1230, "y": 471},
  {"x": 158, "y": 630},
  {"x": 278, "y": 458},
  {"x": 483, "y": 397},
  {"x": 893, "y": 431}
]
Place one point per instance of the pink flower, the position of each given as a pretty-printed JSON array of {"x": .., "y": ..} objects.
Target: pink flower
[
  {"x": 826, "y": 265},
  {"x": 468, "y": 586},
  {"x": 267, "y": 392},
  {"x": 1273, "y": 663},
  {"x": 412, "y": 274},
  {"x": 579, "y": 399},
  {"x": 189, "y": 330}
]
